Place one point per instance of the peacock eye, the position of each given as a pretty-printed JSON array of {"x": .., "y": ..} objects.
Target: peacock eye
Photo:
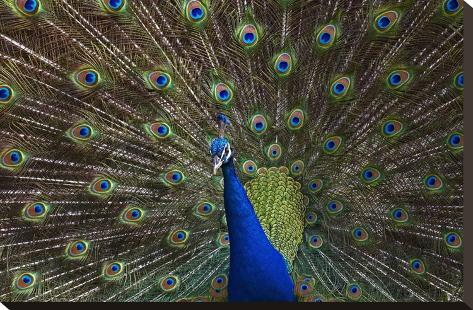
[
  {"x": 399, "y": 215},
  {"x": 326, "y": 36},
  {"x": 274, "y": 152},
  {"x": 332, "y": 145},
  {"x": 340, "y": 87},
  {"x": 296, "y": 119},
  {"x": 28, "y": 7},
  {"x": 370, "y": 175},
  {"x": 249, "y": 167},
  {"x": 398, "y": 78},
  {"x": 223, "y": 239},
  {"x": 315, "y": 186},
  {"x": 77, "y": 249},
  {"x": 178, "y": 238},
  {"x": 315, "y": 241},
  {"x": 283, "y": 65},
  {"x": 223, "y": 93},
  {"x": 304, "y": 287},
  {"x": 453, "y": 240},
  {"x": 219, "y": 282},
  {"x": 392, "y": 128},
  {"x": 35, "y": 211},
  {"x": 434, "y": 183},
  {"x": 354, "y": 291},
  {"x": 113, "y": 270},
  {"x": 196, "y": 11},
  {"x": 88, "y": 78},
  {"x": 258, "y": 124},
  {"x": 417, "y": 266},
  {"x": 249, "y": 36},
  {"x": 218, "y": 286},
  {"x": 360, "y": 234},
  {"x": 385, "y": 21},
  {"x": 114, "y": 6},
  {"x": 160, "y": 130},
  {"x": 13, "y": 159},
  {"x": 334, "y": 207},
  {"x": 81, "y": 133},
  {"x": 102, "y": 186},
  {"x": 24, "y": 281},
  {"x": 174, "y": 177},
  {"x": 204, "y": 209},
  {"x": 311, "y": 217},
  {"x": 160, "y": 80},
  {"x": 297, "y": 168},
  {"x": 6, "y": 94},
  {"x": 169, "y": 283},
  {"x": 132, "y": 215},
  {"x": 452, "y": 7}
]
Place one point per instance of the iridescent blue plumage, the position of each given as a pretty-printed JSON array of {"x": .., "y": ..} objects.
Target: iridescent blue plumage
[
  {"x": 258, "y": 271},
  {"x": 218, "y": 146}
]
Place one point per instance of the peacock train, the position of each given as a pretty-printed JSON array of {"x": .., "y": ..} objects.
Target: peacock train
[{"x": 231, "y": 150}]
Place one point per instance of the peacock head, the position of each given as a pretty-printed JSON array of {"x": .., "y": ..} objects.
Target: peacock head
[
  {"x": 220, "y": 149},
  {"x": 221, "y": 152}
]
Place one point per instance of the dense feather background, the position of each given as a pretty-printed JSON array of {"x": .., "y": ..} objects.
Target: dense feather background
[{"x": 42, "y": 103}]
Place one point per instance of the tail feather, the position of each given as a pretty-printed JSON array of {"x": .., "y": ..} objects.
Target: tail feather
[{"x": 107, "y": 109}]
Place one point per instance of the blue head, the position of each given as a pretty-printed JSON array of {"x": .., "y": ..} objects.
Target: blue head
[
  {"x": 220, "y": 147},
  {"x": 221, "y": 152}
]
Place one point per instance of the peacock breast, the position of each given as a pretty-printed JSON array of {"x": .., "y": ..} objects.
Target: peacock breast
[{"x": 280, "y": 207}]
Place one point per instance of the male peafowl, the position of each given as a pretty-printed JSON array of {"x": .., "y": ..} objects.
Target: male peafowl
[{"x": 231, "y": 150}]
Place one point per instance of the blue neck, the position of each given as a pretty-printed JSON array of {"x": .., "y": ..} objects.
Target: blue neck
[{"x": 258, "y": 271}]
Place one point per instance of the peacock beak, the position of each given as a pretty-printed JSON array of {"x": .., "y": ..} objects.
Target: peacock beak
[
  {"x": 224, "y": 157},
  {"x": 217, "y": 163}
]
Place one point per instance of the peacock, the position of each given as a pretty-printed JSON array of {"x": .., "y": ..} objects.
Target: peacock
[{"x": 231, "y": 150}]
